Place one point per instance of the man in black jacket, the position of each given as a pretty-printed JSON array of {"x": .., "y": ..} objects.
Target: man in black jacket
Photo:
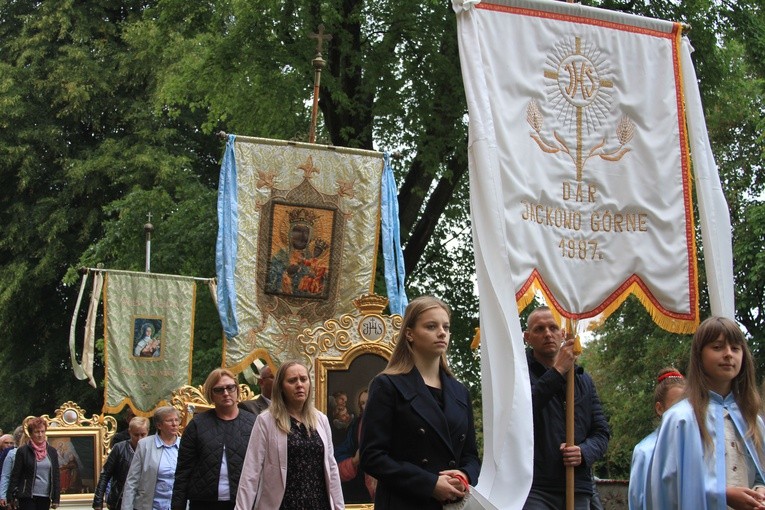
[
  {"x": 118, "y": 464},
  {"x": 550, "y": 358}
]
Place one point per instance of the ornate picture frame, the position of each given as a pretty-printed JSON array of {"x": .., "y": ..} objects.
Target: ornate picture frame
[
  {"x": 347, "y": 353},
  {"x": 348, "y": 379}
]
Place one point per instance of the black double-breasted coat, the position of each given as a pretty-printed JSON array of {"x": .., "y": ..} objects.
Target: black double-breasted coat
[{"x": 408, "y": 438}]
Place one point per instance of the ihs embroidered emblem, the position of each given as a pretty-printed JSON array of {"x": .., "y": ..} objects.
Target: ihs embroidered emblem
[{"x": 579, "y": 91}]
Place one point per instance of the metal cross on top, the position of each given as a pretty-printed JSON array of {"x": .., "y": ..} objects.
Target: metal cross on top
[
  {"x": 318, "y": 65},
  {"x": 320, "y": 38}
]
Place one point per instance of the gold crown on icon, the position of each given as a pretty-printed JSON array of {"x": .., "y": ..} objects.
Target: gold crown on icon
[
  {"x": 302, "y": 216},
  {"x": 370, "y": 304}
]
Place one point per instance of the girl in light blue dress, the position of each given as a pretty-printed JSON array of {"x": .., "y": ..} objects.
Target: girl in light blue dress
[
  {"x": 709, "y": 450},
  {"x": 670, "y": 388}
]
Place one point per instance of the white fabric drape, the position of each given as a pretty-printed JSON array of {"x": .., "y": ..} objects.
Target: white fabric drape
[
  {"x": 508, "y": 435},
  {"x": 714, "y": 216},
  {"x": 84, "y": 370}
]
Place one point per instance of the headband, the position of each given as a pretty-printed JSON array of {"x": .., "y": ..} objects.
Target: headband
[{"x": 673, "y": 375}]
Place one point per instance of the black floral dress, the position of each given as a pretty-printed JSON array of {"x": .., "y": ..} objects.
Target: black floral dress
[{"x": 306, "y": 486}]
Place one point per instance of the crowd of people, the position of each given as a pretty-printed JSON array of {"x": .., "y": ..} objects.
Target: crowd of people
[{"x": 411, "y": 444}]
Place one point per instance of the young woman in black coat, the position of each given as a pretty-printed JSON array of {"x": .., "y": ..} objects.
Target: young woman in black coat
[{"x": 419, "y": 434}]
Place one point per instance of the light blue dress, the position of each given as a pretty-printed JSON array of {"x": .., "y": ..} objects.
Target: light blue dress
[
  {"x": 641, "y": 462},
  {"x": 681, "y": 476}
]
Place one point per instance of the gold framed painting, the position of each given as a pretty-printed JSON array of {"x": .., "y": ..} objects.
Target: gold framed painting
[
  {"x": 79, "y": 461},
  {"x": 341, "y": 393}
]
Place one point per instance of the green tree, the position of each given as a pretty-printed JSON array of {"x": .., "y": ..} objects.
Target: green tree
[
  {"x": 78, "y": 134},
  {"x": 113, "y": 105}
]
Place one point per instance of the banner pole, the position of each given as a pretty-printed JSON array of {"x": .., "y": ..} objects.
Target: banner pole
[
  {"x": 570, "y": 437},
  {"x": 570, "y": 396},
  {"x": 148, "y": 228},
  {"x": 318, "y": 64}
]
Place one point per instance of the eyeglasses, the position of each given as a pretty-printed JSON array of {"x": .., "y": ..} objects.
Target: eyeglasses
[{"x": 229, "y": 388}]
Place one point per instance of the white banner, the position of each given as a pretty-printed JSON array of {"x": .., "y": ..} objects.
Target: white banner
[
  {"x": 592, "y": 148},
  {"x": 581, "y": 186}
]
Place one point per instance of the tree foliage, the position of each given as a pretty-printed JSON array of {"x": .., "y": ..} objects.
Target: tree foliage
[{"x": 109, "y": 111}]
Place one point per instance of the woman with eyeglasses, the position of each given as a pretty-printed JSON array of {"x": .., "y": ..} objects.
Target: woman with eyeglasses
[
  {"x": 149, "y": 483},
  {"x": 213, "y": 448},
  {"x": 290, "y": 463}
]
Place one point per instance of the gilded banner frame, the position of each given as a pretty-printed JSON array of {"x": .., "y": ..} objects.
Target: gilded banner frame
[{"x": 347, "y": 353}]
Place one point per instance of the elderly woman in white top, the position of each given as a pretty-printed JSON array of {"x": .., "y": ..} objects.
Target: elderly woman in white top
[{"x": 149, "y": 484}]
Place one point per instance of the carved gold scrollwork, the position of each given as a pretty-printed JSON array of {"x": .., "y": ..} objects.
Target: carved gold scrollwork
[
  {"x": 187, "y": 395},
  {"x": 333, "y": 334},
  {"x": 69, "y": 414},
  {"x": 336, "y": 336}
]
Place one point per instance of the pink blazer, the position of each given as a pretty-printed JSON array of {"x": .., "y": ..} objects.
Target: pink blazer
[{"x": 264, "y": 474}]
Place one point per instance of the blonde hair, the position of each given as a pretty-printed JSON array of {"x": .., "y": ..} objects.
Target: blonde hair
[
  {"x": 743, "y": 386},
  {"x": 402, "y": 359},
  {"x": 137, "y": 422},
  {"x": 278, "y": 407},
  {"x": 213, "y": 378}
]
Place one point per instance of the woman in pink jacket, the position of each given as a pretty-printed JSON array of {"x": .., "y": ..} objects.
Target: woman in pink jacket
[{"x": 290, "y": 463}]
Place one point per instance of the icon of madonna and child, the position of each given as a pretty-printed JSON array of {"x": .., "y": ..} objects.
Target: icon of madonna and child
[{"x": 300, "y": 251}]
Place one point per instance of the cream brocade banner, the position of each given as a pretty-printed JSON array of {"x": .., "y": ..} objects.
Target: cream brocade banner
[
  {"x": 592, "y": 147},
  {"x": 306, "y": 246},
  {"x": 149, "y": 337}
]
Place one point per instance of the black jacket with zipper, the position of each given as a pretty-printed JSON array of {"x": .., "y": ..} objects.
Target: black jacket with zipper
[
  {"x": 115, "y": 470},
  {"x": 25, "y": 469}
]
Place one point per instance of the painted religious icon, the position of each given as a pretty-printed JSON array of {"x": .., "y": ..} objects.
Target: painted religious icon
[
  {"x": 147, "y": 337},
  {"x": 300, "y": 251},
  {"x": 347, "y": 392}
]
